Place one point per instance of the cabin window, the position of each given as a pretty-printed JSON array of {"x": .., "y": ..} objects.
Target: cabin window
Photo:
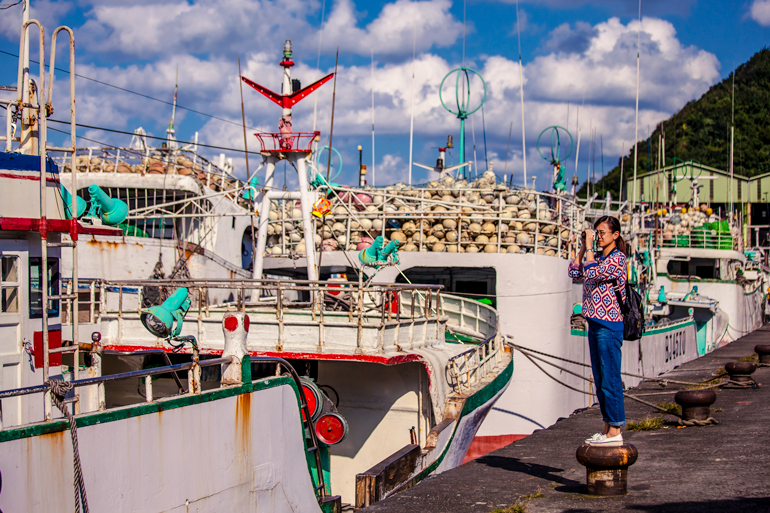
[
  {"x": 35, "y": 293},
  {"x": 477, "y": 283},
  {"x": 703, "y": 268},
  {"x": 9, "y": 284}
]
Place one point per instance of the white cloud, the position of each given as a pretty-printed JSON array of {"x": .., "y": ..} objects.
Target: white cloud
[
  {"x": 760, "y": 12},
  {"x": 48, "y": 12},
  {"x": 392, "y": 169},
  {"x": 598, "y": 61},
  {"x": 400, "y": 24},
  {"x": 229, "y": 26}
]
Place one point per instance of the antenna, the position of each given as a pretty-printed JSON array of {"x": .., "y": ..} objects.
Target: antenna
[
  {"x": 373, "y": 117},
  {"x": 521, "y": 90},
  {"x": 622, "y": 160},
  {"x": 636, "y": 120},
  {"x": 507, "y": 150},
  {"x": 463, "y": 101},
  {"x": 318, "y": 66},
  {"x": 170, "y": 132},
  {"x": 411, "y": 123}
]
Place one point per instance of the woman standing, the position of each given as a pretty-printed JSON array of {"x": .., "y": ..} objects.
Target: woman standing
[{"x": 601, "y": 273}]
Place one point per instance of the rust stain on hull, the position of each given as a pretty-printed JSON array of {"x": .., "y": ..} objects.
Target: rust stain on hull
[{"x": 243, "y": 431}]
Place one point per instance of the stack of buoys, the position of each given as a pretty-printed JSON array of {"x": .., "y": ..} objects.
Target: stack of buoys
[{"x": 443, "y": 216}]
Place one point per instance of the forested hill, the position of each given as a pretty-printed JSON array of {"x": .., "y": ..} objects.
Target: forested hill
[{"x": 701, "y": 130}]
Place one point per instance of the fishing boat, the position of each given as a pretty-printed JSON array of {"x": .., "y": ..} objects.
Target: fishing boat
[{"x": 293, "y": 395}]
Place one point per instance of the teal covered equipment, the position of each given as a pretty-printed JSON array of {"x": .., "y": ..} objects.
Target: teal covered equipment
[
  {"x": 159, "y": 320},
  {"x": 378, "y": 255},
  {"x": 80, "y": 204},
  {"x": 112, "y": 211}
]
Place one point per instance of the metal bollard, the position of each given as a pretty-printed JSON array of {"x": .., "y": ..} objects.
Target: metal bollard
[
  {"x": 695, "y": 403},
  {"x": 741, "y": 372},
  {"x": 763, "y": 350},
  {"x": 607, "y": 468}
]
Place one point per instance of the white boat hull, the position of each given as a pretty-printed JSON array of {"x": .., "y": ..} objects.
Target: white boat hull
[{"x": 243, "y": 452}]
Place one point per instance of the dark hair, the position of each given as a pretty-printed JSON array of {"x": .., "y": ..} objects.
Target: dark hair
[{"x": 614, "y": 225}]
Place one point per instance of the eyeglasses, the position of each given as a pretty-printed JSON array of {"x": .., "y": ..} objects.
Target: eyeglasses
[{"x": 602, "y": 233}]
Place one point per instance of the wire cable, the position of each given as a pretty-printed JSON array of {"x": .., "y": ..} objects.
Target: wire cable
[
  {"x": 112, "y": 130},
  {"x": 8, "y": 6},
  {"x": 130, "y": 91}
]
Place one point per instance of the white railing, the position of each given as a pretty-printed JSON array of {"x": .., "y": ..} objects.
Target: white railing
[
  {"x": 470, "y": 367},
  {"x": 311, "y": 316}
]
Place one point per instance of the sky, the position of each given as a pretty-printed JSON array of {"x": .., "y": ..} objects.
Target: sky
[{"x": 578, "y": 56}]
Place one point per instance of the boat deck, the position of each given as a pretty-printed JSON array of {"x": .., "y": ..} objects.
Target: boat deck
[{"x": 700, "y": 469}]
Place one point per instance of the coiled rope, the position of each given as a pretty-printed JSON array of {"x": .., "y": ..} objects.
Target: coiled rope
[{"x": 59, "y": 389}]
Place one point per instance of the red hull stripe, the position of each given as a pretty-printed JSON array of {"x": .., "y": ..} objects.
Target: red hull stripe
[
  {"x": 383, "y": 360},
  {"x": 26, "y": 224},
  {"x": 34, "y": 177}
]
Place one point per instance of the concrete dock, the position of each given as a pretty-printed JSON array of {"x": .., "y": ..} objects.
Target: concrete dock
[{"x": 715, "y": 468}]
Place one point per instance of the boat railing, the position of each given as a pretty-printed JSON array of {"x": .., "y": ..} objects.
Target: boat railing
[
  {"x": 279, "y": 142},
  {"x": 703, "y": 239},
  {"x": 468, "y": 317},
  {"x": 193, "y": 377},
  {"x": 513, "y": 221},
  {"x": 151, "y": 161},
  {"x": 465, "y": 370},
  {"x": 374, "y": 318},
  {"x": 193, "y": 369}
]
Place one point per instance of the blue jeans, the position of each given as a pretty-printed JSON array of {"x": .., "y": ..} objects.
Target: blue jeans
[{"x": 604, "y": 345}]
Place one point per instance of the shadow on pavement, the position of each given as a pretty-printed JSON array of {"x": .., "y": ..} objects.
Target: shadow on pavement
[{"x": 533, "y": 469}]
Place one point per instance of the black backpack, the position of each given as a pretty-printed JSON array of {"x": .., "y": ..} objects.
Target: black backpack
[{"x": 633, "y": 317}]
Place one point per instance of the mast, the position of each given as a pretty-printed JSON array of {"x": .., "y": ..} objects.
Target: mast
[
  {"x": 373, "y": 182},
  {"x": 170, "y": 132},
  {"x": 411, "y": 124},
  {"x": 318, "y": 65},
  {"x": 732, "y": 147},
  {"x": 26, "y": 144},
  {"x": 521, "y": 91},
  {"x": 622, "y": 160},
  {"x": 636, "y": 120}
]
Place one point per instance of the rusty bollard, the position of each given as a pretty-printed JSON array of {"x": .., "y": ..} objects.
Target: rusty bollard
[
  {"x": 607, "y": 468},
  {"x": 695, "y": 403},
  {"x": 740, "y": 372},
  {"x": 763, "y": 351}
]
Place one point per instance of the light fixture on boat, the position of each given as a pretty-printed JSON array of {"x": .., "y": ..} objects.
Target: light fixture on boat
[
  {"x": 313, "y": 398},
  {"x": 331, "y": 428},
  {"x": 80, "y": 204},
  {"x": 287, "y": 50},
  {"x": 112, "y": 211},
  {"x": 159, "y": 319}
]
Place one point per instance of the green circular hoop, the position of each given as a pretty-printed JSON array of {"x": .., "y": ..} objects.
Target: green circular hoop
[
  {"x": 555, "y": 129},
  {"x": 462, "y": 111}
]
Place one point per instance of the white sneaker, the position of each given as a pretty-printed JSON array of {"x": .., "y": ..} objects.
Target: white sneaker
[
  {"x": 608, "y": 441},
  {"x": 594, "y": 437}
]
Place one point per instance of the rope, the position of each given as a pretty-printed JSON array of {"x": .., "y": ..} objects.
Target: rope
[
  {"x": 59, "y": 389},
  {"x": 710, "y": 420},
  {"x": 662, "y": 380},
  {"x": 694, "y": 422}
]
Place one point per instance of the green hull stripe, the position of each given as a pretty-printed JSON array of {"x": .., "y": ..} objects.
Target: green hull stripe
[
  {"x": 90, "y": 419},
  {"x": 647, "y": 332},
  {"x": 473, "y": 402}
]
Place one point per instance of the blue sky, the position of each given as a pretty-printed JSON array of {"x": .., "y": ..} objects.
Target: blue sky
[{"x": 575, "y": 52}]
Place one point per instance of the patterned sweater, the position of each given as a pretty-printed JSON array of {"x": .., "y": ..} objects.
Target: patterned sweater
[{"x": 599, "y": 300}]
